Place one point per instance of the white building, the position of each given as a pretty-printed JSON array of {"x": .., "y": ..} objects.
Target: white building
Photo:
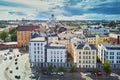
[
  {"x": 56, "y": 54},
  {"x": 37, "y": 50},
  {"x": 111, "y": 52},
  {"x": 44, "y": 54}
]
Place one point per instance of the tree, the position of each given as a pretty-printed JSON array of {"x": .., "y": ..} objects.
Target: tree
[
  {"x": 61, "y": 69},
  {"x": 2, "y": 26},
  {"x": 107, "y": 67},
  {"x": 50, "y": 68},
  {"x": 72, "y": 69},
  {"x": 7, "y": 39},
  {"x": 79, "y": 27},
  {"x": 13, "y": 31},
  {"x": 14, "y": 36},
  {"x": 3, "y": 35}
]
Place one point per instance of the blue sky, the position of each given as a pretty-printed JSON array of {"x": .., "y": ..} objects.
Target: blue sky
[{"x": 62, "y": 9}]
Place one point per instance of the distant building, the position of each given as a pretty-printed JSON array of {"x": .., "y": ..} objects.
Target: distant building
[
  {"x": 52, "y": 21},
  {"x": 97, "y": 30},
  {"x": 115, "y": 38},
  {"x": 96, "y": 39},
  {"x": 91, "y": 38},
  {"x": 8, "y": 45},
  {"x": 24, "y": 34},
  {"x": 110, "y": 51}
]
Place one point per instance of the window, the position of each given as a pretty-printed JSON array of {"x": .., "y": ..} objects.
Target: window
[
  {"x": 83, "y": 52},
  {"x": 86, "y": 48},
  {"x": 61, "y": 60},
  {"x": 86, "y": 53},
  {"x": 57, "y": 52},
  {"x": 38, "y": 47},
  {"x": 51, "y": 60},
  {"x": 34, "y": 43},
  {"x": 79, "y": 52},
  {"x": 34, "y": 51},
  {"x": 41, "y": 44},
  {"x": 79, "y": 61},
  {"x": 93, "y": 52},
  {"x": 79, "y": 57},
  {"x": 111, "y": 53},
  {"x": 41, "y": 60},
  {"x": 54, "y": 60},
  {"x": 38, "y": 44},
  {"x": 83, "y": 57},
  {"x": 57, "y": 60},
  {"x": 38, "y": 52},
  {"x": 93, "y": 57}
]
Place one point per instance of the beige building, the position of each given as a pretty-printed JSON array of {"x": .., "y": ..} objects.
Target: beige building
[
  {"x": 101, "y": 39},
  {"x": 96, "y": 39},
  {"x": 84, "y": 55},
  {"x": 90, "y": 38}
]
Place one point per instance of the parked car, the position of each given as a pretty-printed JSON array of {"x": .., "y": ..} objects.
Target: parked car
[
  {"x": 61, "y": 73},
  {"x": 87, "y": 73},
  {"x": 53, "y": 73},
  {"x": 99, "y": 73},
  {"x": 114, "y": 75}
]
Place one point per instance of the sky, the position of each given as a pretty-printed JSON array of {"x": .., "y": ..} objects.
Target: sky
[{"x": 62, "y": 9}]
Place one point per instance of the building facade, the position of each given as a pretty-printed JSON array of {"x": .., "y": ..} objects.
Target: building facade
[
  {"x": 111, "y": 52},
  {"x": 44, "y": 54},
  {"x": 114, "y": 38},
  {"x": 24, "y": 34},
  {"x": 85, "y": 55}
]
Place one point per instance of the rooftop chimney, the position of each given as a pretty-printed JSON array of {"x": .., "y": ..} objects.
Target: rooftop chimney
[{"x": 118, "y": 39}]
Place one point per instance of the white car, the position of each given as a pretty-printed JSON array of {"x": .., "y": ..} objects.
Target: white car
[
  {"x": 114, "y": 75},
  {"x": 60, "y": 73},
  {"x": 87, "y": 74},
  {"x": 53, "y": 73}
]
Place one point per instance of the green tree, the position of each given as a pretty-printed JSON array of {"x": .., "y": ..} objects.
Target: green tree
[
  {"x": 14, "y": 30},
  {"x": 3, "y": 35},
  {"x": 14, "y": 36},
  {"x": 61, "y": 69},
  {"x": 107, "y": 67},
  {"x": 79, "y": 27},
  {"x": 7, "y": 39},
  {"x": 72, "y": 69},
  {"x": 50, "y": 68},
  {"x": 2, "y": 26}
]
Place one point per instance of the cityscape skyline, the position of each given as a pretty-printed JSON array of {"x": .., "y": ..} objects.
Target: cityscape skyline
[{"x": 62, "y": 9}]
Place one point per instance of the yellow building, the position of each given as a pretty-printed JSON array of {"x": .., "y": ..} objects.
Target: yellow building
[
  {"x": 101, "y": 39},
  {"x": 24, "y": 34},
  {"x": 90, "y": 38},
  {"x": 96, "y": 39}
]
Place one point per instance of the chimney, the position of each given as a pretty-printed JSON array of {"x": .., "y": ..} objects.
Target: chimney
[{"x": 118, "y": 39}]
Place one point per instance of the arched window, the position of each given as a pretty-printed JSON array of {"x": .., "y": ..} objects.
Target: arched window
[{"x": 86, "y": 48}]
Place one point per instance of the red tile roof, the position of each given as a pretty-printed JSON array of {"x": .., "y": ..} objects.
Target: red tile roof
[{"x": 27, "y": 28}]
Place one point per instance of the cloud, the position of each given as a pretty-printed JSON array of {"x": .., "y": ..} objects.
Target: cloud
[
  {"x": 62, "y": 9},
  {"x": 13, "y": 4},
  {"x": 16, "y": 13}
]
